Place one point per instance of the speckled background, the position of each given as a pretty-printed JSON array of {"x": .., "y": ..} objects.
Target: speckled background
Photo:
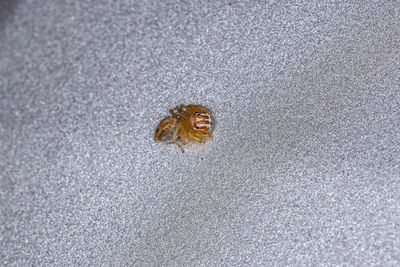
[{"x": 304, "y": 167}]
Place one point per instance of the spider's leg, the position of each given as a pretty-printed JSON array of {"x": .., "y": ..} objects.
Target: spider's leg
[
  {"x": 181, "y": 107},
  {"x": 194, "y": 137},
  {"x": 176, "y": 131},
  {"x": 188, "y": 137},
  {"x": 172, "y": 111},
  {"x": 182, "y": 135}
]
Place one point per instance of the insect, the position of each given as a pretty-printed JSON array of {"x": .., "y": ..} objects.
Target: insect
[{"x": 192, "y": 123}]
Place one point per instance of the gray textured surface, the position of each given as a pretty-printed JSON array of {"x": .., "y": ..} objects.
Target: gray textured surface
[{"x": 304, "y": 167}]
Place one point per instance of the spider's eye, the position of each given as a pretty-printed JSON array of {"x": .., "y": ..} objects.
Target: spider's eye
[
  {"x": 197, "y": 127},
  {"x": 197, "y": 114}
]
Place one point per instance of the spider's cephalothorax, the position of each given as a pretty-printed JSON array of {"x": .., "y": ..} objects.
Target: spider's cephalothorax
[{"x": 190, "y": 123}]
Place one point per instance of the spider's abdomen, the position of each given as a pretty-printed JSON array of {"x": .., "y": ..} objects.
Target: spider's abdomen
[
  {"x": 201, "y": 121},
  {"x": 164, "y": 129}
]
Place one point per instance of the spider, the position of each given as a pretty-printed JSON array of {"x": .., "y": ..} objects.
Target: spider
[{"x": 191, "y": 123}]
